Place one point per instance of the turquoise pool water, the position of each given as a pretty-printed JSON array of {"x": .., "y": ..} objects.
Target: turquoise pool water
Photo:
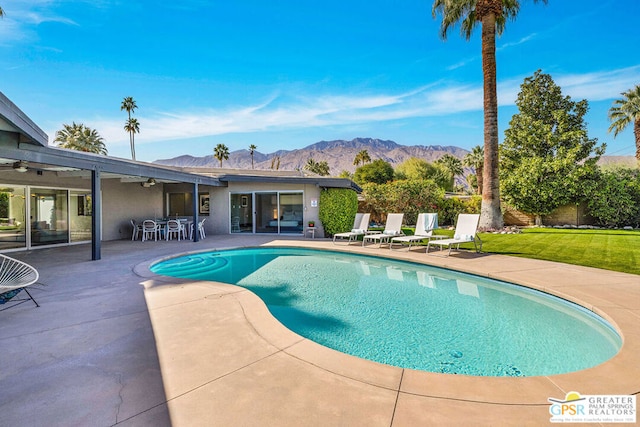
[{"x": 410, "y": 315}]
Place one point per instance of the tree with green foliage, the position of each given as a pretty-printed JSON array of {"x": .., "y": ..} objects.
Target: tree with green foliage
[
  {"x": 415, "y": 168},
  {"x": 4, "y": 204},
  {"x": 345, "y": 174},
  {"x": 338, "y": 208},
  {"x": 475, "y": 160},
  {"x": 624, "y": 112},
  {"x": 547, "y": 158},
  {"x": 221, "y": 152},
  {"x": 492, "y": 15},
  {"x": 129, "y": 104},
  {"x": 132, "y": 126},
  {"x": 321, "y": 168},
  {"x": 362, "y": 157},
  {"x": 410, "y": 196},
  {"x": 615, "y": 200},
  {"x": 80, "y": 138},
  {"x": 252, "y": 150},
  {"x": 453, "y": 166},
  {"x": 377, "y": 171}
]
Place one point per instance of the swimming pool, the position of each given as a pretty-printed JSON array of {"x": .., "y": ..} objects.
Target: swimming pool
[{"x": 410, "y": 315}]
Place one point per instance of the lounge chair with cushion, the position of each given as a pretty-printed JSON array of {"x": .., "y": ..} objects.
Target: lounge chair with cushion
[
  {"x": 15, "y": 276},
  {"x": 392, "y": 228},
  {"x": 426, "y": 223},
  {"x": 466, "y": 232},
  {"x": 360, "y": 228}
]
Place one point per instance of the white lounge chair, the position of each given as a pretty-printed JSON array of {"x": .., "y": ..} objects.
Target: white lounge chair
[
  {"x": 360, "y": 228},
  {"x": 466, "y": 232},
  {"x": 392, "y": 228},
  {"x": 426, "y": 223},
  {"x": 15, "y": 276}
]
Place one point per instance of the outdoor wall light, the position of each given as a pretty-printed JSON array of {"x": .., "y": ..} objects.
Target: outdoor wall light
[{"x": 20, "y": 166}]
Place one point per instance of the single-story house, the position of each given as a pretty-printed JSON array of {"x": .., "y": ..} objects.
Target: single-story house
[{"x": 52, "y": 196}]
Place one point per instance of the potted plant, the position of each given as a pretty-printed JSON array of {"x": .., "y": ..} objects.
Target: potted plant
[{"x": 312, "y": 223}]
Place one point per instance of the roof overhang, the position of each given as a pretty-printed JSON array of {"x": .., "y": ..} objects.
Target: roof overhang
[
  {"x": 318, "y": 181},
  {"x": 12, "y": 119},
  {"x": 79, "y": 163}
]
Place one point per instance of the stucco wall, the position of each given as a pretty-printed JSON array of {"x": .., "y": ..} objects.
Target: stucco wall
[
  {"x": 220, "y": 217},
  {"x": 122, "y": 202}
]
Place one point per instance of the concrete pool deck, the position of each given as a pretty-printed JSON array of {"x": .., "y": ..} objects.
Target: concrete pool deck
[{"x": 114, "y": 344}]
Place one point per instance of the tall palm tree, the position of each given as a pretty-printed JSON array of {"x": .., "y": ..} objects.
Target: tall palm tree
[
  {"x": 132, "y": 126},
  {"x": 492, "y": 15},
  {"x": 453, "y": 165},
  {"x": 475, "y": 159},
  {"x": 362, "y": 157},
  {"x": 252, "y": 149},
  {"x": 625, "y": 111},
  {"x": 321, "y": 168},
  {"x": 129, "y": 104},
  {"x": 221, "y": 152},
  {"x": 275, "y": 162},
  {"x": 81, "y": 138}
]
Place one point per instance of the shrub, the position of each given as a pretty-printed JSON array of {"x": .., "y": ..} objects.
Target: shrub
[
  {"x": 410, "y": 197},
  {"x": 338, "y": 208},
  {"x": 615, "y": 200}
]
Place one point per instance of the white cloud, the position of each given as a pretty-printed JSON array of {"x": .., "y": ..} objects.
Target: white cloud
[
  {"x": 516, "y": 43},
  {"x": 599, "y": 86},
  {"x": 22, "y": 18},
  {"x": 293, "y": 110}
]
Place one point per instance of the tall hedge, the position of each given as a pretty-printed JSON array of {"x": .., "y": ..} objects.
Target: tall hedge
[
  {"x": 615, "y": 200},
  {"x": 338, "y": 208}
]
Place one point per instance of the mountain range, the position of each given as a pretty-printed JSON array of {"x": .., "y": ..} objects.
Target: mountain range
[{"x": 338, "y": 154}]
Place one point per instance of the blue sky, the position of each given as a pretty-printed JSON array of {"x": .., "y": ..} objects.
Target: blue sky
[{"x": 284, "y": 74}]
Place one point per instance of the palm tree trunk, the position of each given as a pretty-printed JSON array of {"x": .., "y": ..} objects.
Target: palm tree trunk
[
  {"x": 479, "y": 174},
  {"x": 490, "y": 214},
  {"x": 133, "y": 150},
  {"x": 636, "y": 132}
]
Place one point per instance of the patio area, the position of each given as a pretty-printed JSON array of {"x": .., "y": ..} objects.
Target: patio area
[{"x": 114, "y": 344}]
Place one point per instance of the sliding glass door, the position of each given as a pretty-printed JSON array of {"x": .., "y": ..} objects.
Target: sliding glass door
[
  {"x": 12, "y": 217},
  {"x": 49, "y": 216},
  {"x": 242, "y": 213},
  {"x": 277, "y": 212},
  {"x": 266, "y": 212}
]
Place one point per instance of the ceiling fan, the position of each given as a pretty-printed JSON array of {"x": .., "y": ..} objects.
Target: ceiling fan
[{"x": 21, "y": 166}]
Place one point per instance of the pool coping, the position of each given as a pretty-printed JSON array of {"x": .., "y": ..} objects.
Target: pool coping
[{"x": 603, "y": 292}]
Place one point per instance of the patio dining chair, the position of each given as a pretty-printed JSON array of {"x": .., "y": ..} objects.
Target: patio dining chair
[
  {"x": 150, "y": 229},
  {"x": 137, "y": 230},
  {"x": 200, "y": 230},
  {"x": 173, "y": 228},
  {"x": 15, "y": 276}
]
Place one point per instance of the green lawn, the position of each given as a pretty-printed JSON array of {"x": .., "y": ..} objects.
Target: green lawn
[{"x": 617, "y": 250}]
